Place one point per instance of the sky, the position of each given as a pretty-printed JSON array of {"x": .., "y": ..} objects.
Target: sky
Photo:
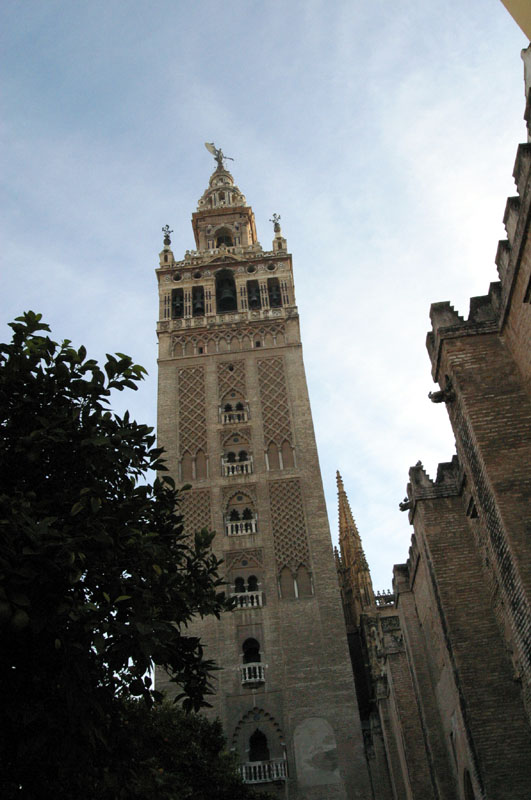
[{"x": 384, "y": 134}]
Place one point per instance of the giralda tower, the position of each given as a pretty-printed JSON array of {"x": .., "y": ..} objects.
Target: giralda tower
[{"x": 234, "y": 418}]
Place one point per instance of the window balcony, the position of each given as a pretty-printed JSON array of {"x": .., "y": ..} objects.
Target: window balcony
[
  {"x": 264, "y": 771},
  {"x": 248, "y": 599},
  {"x": 232, "y": 417},
  {"x": 241, "y": 527},
  {"x": 252, "y": 673},
  {"x": 231, "y": 468}
]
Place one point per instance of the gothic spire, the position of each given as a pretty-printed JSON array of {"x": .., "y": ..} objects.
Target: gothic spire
[{"x": 353, "y": 558}]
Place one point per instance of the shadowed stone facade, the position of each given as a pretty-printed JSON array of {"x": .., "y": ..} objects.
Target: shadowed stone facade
[{"x": 234, "y": 418}]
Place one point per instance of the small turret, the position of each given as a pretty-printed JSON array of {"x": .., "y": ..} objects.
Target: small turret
[
  {"x": 279, "y": 242},
  {"x": 166, "y": 257}
]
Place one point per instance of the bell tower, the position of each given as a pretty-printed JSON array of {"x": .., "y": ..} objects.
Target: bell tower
[{"x": 234, "y": 418}]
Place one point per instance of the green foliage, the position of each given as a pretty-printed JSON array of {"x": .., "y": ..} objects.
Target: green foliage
[
  {"x": 144, "y": 758},
  {"x": 97, "y": 582}
]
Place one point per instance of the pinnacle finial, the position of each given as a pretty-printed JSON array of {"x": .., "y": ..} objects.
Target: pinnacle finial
[
  {"x": 339, "y": 481},
  {"x": 166, "y": 231},
  {"x": 218, "y": 154}
]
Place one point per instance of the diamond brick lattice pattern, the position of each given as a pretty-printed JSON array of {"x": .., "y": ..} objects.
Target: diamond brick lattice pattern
[
  {"x": 231, "y": 380},
  {"x": 192, "y": 422},
  {"x": 195, "y": 508},
  {"x": 274, "y": 397},
  {"x": 289, "y": 529}
]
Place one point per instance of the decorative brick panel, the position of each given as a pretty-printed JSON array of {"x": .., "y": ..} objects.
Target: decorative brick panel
[
  {"x": 231, "y": 378},
  {"x": 289, "y": 528},
  {"x": 192, "y": 410},
  {"x": 195, "y": 508},
  {"x": 274, "y": 397}
]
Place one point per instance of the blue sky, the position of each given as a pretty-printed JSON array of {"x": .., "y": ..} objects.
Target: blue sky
[{"x": 384, "y": 134}]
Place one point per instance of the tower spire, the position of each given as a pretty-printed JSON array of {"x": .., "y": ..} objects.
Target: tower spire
[{"x": 356, "y": 576}]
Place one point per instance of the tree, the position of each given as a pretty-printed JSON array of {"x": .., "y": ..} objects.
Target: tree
[
  {"x": 144, "y": 761},
  {"x": 97, "y": 579}
]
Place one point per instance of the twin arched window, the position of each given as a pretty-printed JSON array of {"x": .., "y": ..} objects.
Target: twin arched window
[{"x": 252, "y": 584}]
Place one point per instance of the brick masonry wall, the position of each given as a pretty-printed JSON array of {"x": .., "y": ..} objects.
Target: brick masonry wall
[
  {"x": 468, "y": 653},
  {"x": 491, "y": 419},
  {"x": 414, "y": 607}
]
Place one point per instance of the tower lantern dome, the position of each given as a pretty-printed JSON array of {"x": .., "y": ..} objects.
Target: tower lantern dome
[{"x": 223, "y": 218}]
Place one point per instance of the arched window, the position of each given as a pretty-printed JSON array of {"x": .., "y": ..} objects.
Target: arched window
[
  {"x": 287, "y": 584},
  {"x": 252, "y": 583},
  {"x": 247, "y": 513},
  {"x": 200, "y": 465},
  {"x": 272, "y": 456},
  {"x": 287, "y": 455},
  {"x": 242, "y": 455},
  {"x": 258, "y": 748},
  {"x": 228, "y": 407},
  {"x": 225, "y": 291},
  {"x": 234, "y": 515},
  {"x": 186, "y": 467},
  {"x": 224, "y": 236},
  {"x": 251, "y": 651},
  {"x": 231, "y": 457},
  {"x": 239, "y": 585},
  {"x": 304, "y": 583},
  {"x": 240, "y": 407}
]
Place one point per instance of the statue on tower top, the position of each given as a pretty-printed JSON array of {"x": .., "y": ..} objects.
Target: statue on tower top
[
  {"x": 275, "y": 219},
  {"x": 217, "y": 152}
]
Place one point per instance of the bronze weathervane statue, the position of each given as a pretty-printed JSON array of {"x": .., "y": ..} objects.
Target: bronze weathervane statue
[{"x": 217, "y": 153}]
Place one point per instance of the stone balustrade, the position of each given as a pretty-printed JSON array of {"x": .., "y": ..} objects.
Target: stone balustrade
[
  {"x": 248, "y": 599},
  {"x": 264, "y": 771},
  {"x": 240, "y": 527},
  {"x": 253, "y": 673}
]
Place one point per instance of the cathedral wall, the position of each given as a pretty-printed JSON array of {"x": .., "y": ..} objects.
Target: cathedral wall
[
  {"x": 424, "y": 645},
  {"x": 491, "y": 419},
  {"x": 468, "y": 659}
]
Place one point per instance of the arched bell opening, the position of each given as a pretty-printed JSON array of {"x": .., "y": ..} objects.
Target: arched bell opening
[
  {"x": 177, "y": 303},
  {"x": 273, "y": 288},
  {"x": 253, "y": 295},
  {"x": 223, "y": 236},
  {"x": 226, "y": 299},
  {"x": 198, "y": 301}
]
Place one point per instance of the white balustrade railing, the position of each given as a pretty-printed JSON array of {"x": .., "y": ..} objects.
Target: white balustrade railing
[
  {"x": 248, "y": 599},
  {"x": 240, "y": 527},
  {"x": 231, "y": 417},
  {"x": 264, "y": 771},
  {"x": 237, "y": 467},
  {"x": 253, "y": 673}
]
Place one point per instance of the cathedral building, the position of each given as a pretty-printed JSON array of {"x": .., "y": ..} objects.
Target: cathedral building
[
  {"x": 443, "y": 666},
  {"x": 234, "y": 419}
]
